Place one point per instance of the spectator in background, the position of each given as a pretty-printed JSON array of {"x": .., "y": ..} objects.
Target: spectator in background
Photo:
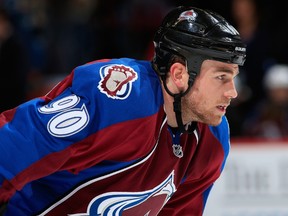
[
  {"x": 68, "y": 34},
  {"x": 13, "y": 65},
  {"x": 127, "y": 29},
  {"x": 248, "y": 18},
  {"x": 235, "y": 111},
  {"x": 271, "y": 116}
]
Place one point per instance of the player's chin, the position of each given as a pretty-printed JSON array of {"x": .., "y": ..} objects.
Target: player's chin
[{"x": 215, "y": 120}]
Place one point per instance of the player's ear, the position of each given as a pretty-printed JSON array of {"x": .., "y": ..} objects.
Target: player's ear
[{"x": 179, "y": 75}]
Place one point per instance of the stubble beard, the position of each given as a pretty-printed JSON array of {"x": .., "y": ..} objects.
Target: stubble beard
[{"x": 192, "y": 110}]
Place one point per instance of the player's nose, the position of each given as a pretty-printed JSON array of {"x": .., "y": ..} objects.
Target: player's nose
[{"x": 231, "y": 91}]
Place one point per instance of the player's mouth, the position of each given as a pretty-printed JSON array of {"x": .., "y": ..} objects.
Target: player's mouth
[{"x": 222, "y": 108}]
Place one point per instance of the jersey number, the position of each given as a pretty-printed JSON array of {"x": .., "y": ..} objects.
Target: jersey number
[{"x": 69, "y": 119}]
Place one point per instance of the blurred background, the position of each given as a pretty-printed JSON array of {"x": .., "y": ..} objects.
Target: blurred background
[{"x": 41, "y": 41}]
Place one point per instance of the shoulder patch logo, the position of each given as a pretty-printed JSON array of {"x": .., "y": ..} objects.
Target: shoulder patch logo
[{"x": 116, "y": 81}]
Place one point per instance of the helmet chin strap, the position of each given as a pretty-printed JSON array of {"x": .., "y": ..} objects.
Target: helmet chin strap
[
  {"x": 178, "y": 113},
  {"x": 177, "y": 107},
  {"x": 195, "y": 65}
]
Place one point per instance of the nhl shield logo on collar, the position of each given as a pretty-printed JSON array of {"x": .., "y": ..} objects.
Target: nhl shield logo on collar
[{"x": 177, "y": 150}]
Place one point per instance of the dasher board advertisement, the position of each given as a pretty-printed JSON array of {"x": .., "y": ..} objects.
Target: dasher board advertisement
[{"x": 254, "y": 182}]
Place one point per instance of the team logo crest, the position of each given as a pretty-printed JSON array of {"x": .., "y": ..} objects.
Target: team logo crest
[
  {"x": 188, "y": 15},
  {"x": 116, "y": 81},
  {"x": 146, "y": 203}
]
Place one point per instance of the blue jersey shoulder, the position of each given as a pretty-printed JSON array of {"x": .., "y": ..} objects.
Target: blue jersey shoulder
[
  {"x": 119, "y": 89},
  {"x": 222, "y": 133}
]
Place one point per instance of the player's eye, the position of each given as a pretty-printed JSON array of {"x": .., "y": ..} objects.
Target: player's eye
[{"x": 221, "y": 77}]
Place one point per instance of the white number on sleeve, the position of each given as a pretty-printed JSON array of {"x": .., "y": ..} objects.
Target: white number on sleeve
[
  {"x": 62, "y": 104},
  {"x": 69, "y": 120}
]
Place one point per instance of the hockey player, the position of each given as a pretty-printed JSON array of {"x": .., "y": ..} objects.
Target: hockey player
[{"x": 128, "y": 137}]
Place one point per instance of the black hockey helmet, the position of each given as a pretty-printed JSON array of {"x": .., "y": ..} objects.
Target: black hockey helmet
[{"x": 196, "y": 35}]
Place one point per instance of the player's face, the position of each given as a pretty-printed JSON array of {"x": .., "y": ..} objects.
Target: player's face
[{"x": 211, "y": 93}]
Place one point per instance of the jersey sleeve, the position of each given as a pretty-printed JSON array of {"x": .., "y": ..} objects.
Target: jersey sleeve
[
  {"x": 25, "y": 140},
  {"x": 74, "y": 126},
  {"x": 41, "y": 136}
]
